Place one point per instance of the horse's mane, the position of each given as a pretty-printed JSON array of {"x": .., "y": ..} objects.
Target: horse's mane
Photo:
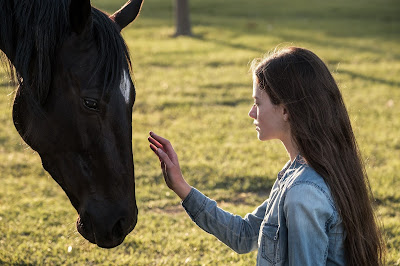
[{"x": 36, "y": 29}]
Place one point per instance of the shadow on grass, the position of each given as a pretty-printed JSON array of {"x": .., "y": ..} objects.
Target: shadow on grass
[
  {"x": 245, "y": 184},
  {"x": 387, "y": 200},
  {"x": 229, "y": 44},
  {"x": 4, "y": 84},
  {"x": 391, "y": 236},
  {"x": 15, "y": 262},
  {"x": 181, "y": 105},
  {"x": 241, "y": 190},
  {"x": 222, "y": 86},
  {"x": 8, "y": 84},
  {"x": 331, "y": 40},
  {"x": 355, "y": 75},
  {"x": 236, "y": 184}
]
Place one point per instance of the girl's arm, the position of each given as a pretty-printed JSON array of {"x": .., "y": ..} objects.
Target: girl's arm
[{"x": 240, "y": 234}]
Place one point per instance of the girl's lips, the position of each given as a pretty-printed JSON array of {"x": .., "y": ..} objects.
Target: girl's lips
[{"x": 257, "y": 127}]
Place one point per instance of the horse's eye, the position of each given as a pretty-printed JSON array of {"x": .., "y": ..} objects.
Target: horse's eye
[{"x": 91, "y": 104}]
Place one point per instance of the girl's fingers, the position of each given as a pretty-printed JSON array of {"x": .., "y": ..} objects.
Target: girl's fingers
[
  {"x": 164, "y": 145},
  {"x": 161, "y": 140},
  {"x": 153, "y": 148},
  {"x": 154, "y": 142}
]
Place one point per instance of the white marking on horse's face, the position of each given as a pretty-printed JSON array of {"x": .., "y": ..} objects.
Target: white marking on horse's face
[{"x": 125, "y": 86}]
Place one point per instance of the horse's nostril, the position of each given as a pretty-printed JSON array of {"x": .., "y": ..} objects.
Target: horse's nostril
[
  {"x": 84, "y": 227},
  {"x": 118, "y": 231}
]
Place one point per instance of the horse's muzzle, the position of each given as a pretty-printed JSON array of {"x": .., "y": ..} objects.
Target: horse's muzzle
[{"x": 106, "y": 229}]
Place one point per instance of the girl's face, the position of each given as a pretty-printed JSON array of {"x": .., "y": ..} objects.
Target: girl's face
[{"x": 271, "y": 120}]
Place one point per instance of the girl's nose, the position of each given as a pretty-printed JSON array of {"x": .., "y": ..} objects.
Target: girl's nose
[{"x": 253, "y": 112}]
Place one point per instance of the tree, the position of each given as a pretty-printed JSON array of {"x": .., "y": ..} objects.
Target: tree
[{"x": 182, "y": 18}]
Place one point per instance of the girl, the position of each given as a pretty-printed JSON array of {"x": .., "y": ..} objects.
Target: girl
[{"x": 319, "y": 210}]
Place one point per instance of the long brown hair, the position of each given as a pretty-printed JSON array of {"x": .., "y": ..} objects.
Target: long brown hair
[{"x": 321, "y": 129}]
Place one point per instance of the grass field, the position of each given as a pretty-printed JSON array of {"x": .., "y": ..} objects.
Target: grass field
[{"x": 197, "y": 92}]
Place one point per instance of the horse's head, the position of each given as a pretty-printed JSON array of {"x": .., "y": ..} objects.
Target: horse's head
[{"x": 83, "y": 130}]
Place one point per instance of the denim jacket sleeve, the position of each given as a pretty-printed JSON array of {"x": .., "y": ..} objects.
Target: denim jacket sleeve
[
  {"x": 240, "y": 234},
  {"x": 308, "y": 212}
]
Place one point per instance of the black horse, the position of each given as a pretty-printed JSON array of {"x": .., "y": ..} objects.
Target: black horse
[{"x": 74, "y": 105}]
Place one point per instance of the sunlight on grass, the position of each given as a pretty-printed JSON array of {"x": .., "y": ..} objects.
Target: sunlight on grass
[{"x": 197, "y": 92}]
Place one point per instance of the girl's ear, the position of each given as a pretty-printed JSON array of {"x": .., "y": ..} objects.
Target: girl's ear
[{"x": 285, "y": 114}]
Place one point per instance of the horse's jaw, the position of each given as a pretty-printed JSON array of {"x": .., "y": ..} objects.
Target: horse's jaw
[{"x": 101, "y": 221}]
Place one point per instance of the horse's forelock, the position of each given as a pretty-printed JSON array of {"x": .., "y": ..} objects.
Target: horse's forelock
[
  {"x": 39, "y": 27},
  {"x": 113, "y": 55}
]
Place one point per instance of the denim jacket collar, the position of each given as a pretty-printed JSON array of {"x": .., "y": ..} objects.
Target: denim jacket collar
[{"x": 290, "y": 167}]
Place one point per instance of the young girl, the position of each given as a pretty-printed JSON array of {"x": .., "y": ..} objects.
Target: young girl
[{"x": 319, "y": 210}]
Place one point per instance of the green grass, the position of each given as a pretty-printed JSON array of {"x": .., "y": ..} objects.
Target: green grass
[{"x": 197, "y": 92}]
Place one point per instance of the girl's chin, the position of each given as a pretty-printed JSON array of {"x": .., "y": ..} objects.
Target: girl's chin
[{"x": 262, "y": 137}]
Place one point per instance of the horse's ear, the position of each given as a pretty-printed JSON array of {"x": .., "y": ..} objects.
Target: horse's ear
[
  {"x": 127, "y": 13},
  {"x": 79, "y": 14}
]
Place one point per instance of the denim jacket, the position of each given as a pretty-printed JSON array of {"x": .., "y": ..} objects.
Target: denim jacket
[{"x": 297, "y": 225}]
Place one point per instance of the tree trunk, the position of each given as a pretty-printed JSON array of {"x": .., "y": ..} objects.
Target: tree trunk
[{"x": 182, "y": 18}]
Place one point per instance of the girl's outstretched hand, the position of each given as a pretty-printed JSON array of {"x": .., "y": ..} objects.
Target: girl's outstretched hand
[{"x": 169, "y": 165}]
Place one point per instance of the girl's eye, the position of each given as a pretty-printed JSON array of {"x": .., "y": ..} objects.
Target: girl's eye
[{"x": 91, "y": 104}]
